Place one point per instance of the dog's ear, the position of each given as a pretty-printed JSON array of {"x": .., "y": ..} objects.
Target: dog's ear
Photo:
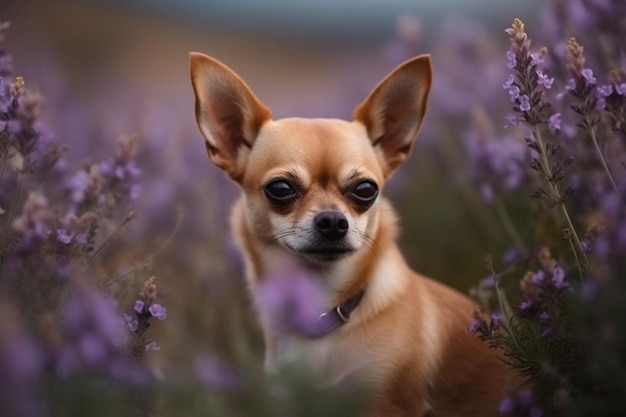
[
  {"x": 394, "y": 110},
  {"x": 228, "y": 113}
]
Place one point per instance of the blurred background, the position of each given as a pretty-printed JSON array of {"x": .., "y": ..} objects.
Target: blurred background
[
  {"x": 108, "y": 69},
  {"x": 111, "y": 68}
]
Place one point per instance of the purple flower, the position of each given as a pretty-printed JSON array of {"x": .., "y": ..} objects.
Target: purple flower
[
  {"x": 152, "y": 346},
  {"x": 621, "y": 89},
  {"x": 511, "y": 120},
  {"x": 587, "y": 74},
  {"x": 536, "y": 59},
  {"x": 92, "y": 348},
  {"x": 130, "y": 322},
  {"x": 92, "y": 311},
  {"x": 64, "y": 236},
  {"x": 538, "y": 277},
  {"x": 570, "y": 84},
  {"x": 215, "y": 374},
  {"x": 138, "y": 307},
  {"x": 509, "y": 82},
  {"x": 605, "y": 90},
  {"x": 514, "y": 92},
  {"x": 106, "y": 167},
  {"x": 524, "y": 103},
  {"x": 558, "y": 278},
  {"x": 21, "y": 363},
  {"x": 14, "y": 127},
  {"x": 78, "y": 185},
  {"x": 545, "y": 80},
  {"x": 544, "y": 316},
  {"x": 158, "y": 311},
  {"x": 290, "y": 301},
  {"x": 507, "y": 405},
  {"x": 497, "y": 319},
  {"x": 602, "y": 93},
  {"x": 554, "y": 123},
  {"x": 525, "y": 305},
  {"x": 474, "y": 325},
  {"x": 510, "y": 59},
  {"x": 92, "y": 332}
]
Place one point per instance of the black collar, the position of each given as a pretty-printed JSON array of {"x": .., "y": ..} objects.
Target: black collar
[{"x": 337, "y": 317}]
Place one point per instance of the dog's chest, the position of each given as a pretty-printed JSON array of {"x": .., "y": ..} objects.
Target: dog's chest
[{"x": 330, "y": 358}]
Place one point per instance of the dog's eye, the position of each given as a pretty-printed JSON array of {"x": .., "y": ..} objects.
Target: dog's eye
[
  {"x": 365, "y": 191},
  {"x": 279, "y": 191}
]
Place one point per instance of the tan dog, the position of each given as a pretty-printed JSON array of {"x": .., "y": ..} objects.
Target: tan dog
[{"x": 311, "y": 194}]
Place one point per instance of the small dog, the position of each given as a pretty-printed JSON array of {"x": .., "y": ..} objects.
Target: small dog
[{"x": 311, "y": 193}]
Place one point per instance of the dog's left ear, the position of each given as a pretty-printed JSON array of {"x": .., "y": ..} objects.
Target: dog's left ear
[{"x": 394, "y": 110}]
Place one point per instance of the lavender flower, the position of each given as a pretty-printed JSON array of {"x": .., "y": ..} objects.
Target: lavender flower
[
  {"x": 91, "y": 323},
  {"x": 524, "y": 103},
  {"x": 290, "y": 301},
  {"x": 507, "y": 405},
  {"x": 474, "y": 326},
  {"x": 528, "y": 77},
  {"x": 145, "y": 308},
  {"x": 587, "y": 74},
  {"x": 64, "y": 236},
  {"x": 554, "y": 123},
  {"x": 544, "y": 80},
  {"x": 520, "y": 404},
  {"x": 130, "y": 322},
  {"x": 511, "y": 120},
  {"x": 514, "y": 93},
  {"x": 510, "y": 59},
  {"x": 215, "y": 374},
  {"x": 21, "y": 366},
  {"x": 495, "y": 163},
  {"x": 158, "y": 311},
  {"x": 33, "y": 225},
  {"x": 584, "y": 84},
  {"x": 152, "y": 346},
  {"x": 139, "y": 306}
]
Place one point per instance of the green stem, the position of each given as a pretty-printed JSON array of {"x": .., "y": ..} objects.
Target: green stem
[
  {"x": 179, "y": 220},
  {"x": 93, "y": 255},
  {"x": 557, "y": 193},
  {"x": 580, "y": 271},
  {"x": 509, "y": 227},
  {"x": 594, "y": 139}
]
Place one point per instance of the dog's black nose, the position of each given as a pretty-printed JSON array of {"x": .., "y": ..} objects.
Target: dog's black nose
[{"x": 331, "y": 224}]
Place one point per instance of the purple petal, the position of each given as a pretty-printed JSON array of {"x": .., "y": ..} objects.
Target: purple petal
[{"x": 138, "y": 307}]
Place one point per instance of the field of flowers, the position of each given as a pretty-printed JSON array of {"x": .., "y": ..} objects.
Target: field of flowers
[{"x": 121, "y": 292}]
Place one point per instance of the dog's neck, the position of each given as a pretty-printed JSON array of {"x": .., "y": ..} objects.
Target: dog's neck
[{"x": 342, "y": 279}]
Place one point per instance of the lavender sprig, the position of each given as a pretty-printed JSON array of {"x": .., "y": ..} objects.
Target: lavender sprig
[
  {"x": 145, "y": 309},
  {"x": 582, "y": 86},
  {"x": 527, "y": 87}
]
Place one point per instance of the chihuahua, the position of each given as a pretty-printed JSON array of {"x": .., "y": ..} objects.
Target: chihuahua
[{"x": 311, "y": 195}]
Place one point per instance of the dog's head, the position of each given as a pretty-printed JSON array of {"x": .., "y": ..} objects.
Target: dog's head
[{"x": 310, "y": 185}]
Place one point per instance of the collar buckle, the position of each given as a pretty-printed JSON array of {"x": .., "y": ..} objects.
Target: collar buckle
[{"x": 340, "y": 314}]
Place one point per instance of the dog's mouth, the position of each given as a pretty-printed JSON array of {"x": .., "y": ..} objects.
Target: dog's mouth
[
  {"x": 327, "y": 254},
  {"x": 324, "y": 253}
]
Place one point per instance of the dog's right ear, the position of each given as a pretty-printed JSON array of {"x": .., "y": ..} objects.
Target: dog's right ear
[{"x": 228, "y": 113}]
